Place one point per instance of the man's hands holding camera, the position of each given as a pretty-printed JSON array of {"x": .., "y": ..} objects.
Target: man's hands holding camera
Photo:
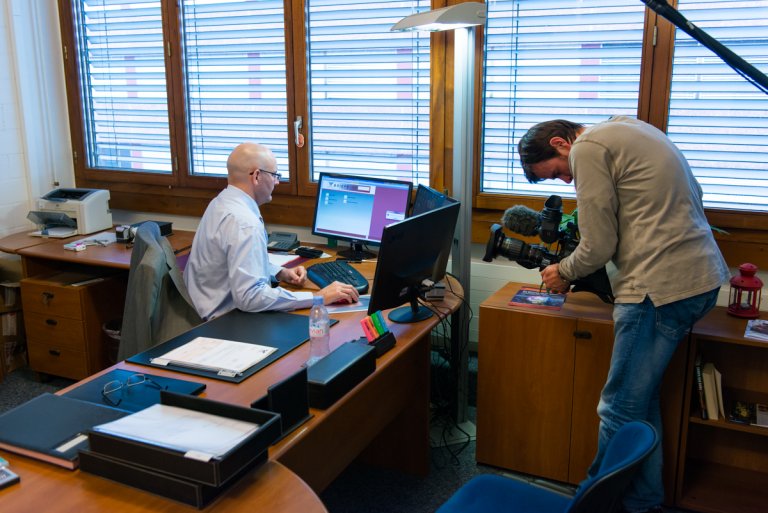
[{"x": 552, "y": 280}]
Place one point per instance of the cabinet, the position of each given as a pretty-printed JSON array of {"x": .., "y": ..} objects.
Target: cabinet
[
  {"x": 540, "y": 373},
  {"x": 723, "y": 466},
  {"x": 63, "y": 315}
]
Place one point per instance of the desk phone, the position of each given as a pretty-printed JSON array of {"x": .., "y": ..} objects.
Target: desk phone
[{"x": 282, "y": 241}]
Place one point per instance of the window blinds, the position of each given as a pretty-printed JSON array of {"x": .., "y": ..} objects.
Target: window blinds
[
  {"x": 716, "y": 117},
  {"x": 547, "y": 59},
  {"x": 368, "y": 90},
  {"x": 122, "y": 81}
]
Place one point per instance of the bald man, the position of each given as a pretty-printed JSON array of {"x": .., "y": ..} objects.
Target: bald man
[{"x": 229, "y": 265}]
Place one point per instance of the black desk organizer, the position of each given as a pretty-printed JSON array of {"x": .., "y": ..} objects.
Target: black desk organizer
[
  {"x": 338, "y": 372},
  {"x": 290, "y": 398},
  {"x": 169, "y": 473}
]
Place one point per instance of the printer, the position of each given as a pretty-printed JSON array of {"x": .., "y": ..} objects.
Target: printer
[{"x": 67, "y": 212}]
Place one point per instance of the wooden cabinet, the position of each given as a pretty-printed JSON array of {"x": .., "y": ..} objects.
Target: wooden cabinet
[
  {"x": 63, "y": 315},
  {"x": 540, "y": 373},
  {"x": 724, "y": 466}
]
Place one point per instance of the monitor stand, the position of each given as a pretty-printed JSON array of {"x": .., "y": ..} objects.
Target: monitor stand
[
  {"x": 355, "y": 252},
  {"x": 414, "y": 312}
]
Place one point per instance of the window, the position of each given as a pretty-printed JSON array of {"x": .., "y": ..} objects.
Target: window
[
  {"x": 554, "y": 59},
  {"x": 369, "y": 90},
  {"x": 716, "y": 117},
  {"x": 167, "y": 89},
  {"x": 235, "y": 64},
  {"x": 122, "y": 79}
]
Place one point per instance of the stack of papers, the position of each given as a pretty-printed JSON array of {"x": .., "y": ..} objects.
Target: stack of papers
[{"x": 225, "y": 357}]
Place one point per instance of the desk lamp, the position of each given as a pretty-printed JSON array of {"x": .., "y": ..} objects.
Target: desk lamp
[{"x": 462, "y": 19}]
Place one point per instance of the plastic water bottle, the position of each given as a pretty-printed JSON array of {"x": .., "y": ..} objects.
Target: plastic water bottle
[{"x": 319, "y": 331}]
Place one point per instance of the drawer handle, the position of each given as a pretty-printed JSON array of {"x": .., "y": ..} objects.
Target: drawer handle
[
  {"x": 582, "y": 334},
  {"x": 47, "y": 297},
  {"x": 54, "y": 352},
  {"x": 51, "y": 322}
]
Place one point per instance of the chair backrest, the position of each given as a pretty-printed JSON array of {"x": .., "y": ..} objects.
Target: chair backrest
[
  {"x": 157, "y": 305},
  {"x": 626, "y": 451}
]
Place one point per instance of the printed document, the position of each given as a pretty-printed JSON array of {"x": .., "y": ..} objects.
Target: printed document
[
  {"x": 188, "y": 431},
  {"x": 216, "y": 355}
]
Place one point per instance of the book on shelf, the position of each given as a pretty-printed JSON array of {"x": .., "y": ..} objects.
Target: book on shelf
[
  {"x": 534, "y": 297},
  {"x": 713, "y": 391},
  {"x": 746, "y": 412},
  {"x": 757, "y": 329},
  {"x": 700, "y": 388}
]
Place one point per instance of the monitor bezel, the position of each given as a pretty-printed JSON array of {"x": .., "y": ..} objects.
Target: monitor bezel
[{"x": 356, "y": 251}]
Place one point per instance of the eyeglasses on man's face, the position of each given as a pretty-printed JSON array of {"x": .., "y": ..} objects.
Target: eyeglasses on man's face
[{"x": 276, "y": 176}]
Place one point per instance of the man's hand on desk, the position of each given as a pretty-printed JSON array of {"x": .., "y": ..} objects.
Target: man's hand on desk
[
  {"x": 338, "y": 292},
  {"x": 295, "y": 275}
]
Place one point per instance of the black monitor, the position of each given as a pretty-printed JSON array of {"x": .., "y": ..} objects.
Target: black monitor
[
  {"x": 357, "y": 208},
  {"x": 428, "y": 199},
  {"x": 408, "y": 255}
]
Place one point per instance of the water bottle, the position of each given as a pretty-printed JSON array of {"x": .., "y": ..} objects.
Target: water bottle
[{"x": 319, "y": 331}]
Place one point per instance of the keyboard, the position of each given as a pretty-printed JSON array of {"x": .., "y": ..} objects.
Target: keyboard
[{"x": 324, "y": 273}]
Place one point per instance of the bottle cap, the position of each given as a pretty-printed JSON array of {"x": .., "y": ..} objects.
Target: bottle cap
[{"x": 317, "y": 300}]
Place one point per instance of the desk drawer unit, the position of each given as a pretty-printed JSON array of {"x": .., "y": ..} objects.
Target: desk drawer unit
[{"x": 64, "y": 314}]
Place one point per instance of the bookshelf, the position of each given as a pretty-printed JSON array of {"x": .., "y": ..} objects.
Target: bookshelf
[{"x": 723, "y": 466}]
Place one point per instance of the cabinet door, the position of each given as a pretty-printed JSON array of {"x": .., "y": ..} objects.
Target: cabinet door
[
  {"x": 594, "y": 343},
  {"x": 525, "y": 391}
]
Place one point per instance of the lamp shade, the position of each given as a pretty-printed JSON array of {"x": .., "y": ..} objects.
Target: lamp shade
[
  {"x": 467, "y": 14},
  {"x": 745, "y": 295}
]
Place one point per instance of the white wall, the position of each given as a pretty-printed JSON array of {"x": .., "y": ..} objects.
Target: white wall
[{"x": 35, "y": 152}]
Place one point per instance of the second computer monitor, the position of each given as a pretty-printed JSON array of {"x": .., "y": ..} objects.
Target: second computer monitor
[
  {"x": 428, "y": 199},
  {"x": 357, "y": 208}
]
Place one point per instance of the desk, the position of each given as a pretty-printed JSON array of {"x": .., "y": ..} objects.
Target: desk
[
  {"x": 44, "y": 256},
  {"x": 384, "y": 420}
]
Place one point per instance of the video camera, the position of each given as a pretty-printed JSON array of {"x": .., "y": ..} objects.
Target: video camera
[{"x": 548, "y": 225}]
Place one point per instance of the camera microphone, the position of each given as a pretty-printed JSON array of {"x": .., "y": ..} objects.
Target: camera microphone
[{"x": 521, "y": 219}]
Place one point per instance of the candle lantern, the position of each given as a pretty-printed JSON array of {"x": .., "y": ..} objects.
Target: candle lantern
[{"x": 746, "y": 289}]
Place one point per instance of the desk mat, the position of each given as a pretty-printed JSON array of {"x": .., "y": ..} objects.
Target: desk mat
[
  {"x": 133, "y": 398},
  {"x": 285, "y": 331}
]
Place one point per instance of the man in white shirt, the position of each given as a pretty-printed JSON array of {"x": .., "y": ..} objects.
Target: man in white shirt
[{"x": 229, "y": 266}]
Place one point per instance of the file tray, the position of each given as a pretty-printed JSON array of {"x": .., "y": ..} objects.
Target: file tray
[
  {"x": 213, "y": 472},
  {"x": 160, "y": 483},
  {"x": 339, "y": 372}
]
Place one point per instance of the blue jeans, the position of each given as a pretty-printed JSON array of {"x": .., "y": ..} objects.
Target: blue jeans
[{"x": 645, "y": 338}]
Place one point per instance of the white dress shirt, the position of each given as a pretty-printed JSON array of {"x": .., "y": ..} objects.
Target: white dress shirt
[{"x": 229, "y": 266}]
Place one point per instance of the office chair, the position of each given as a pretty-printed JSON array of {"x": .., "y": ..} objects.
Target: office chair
[
  {"x": 157, "y": 305},
  {"x": 626, "y": 451}
]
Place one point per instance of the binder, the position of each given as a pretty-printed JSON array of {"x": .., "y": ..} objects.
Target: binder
[
  {"x": 282, "y": 330},
  {"x": 52, "y": 428}
]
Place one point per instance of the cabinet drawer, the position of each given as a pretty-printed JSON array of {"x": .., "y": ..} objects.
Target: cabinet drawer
[
  {"x": 57, "y": 360},
  {"x": 50, "y": 298},
  {"x": 55, "y": 330}
]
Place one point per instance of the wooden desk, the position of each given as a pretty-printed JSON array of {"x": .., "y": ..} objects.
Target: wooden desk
[
  {"x": 384, "y": 420},
  {"x": 50, "y": 256}
]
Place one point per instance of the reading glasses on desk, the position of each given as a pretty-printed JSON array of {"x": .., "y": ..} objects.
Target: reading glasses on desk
[{"x": 133, "y": 380}]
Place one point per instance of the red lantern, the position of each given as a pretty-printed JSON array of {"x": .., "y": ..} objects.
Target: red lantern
[{"x": 746, "y": 289}]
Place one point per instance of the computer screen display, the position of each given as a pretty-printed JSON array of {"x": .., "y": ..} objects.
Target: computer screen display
[
  {"x": 408, "y": 255},
  {"x": 428, "y": 199},
  {"x": 356, "y": 209}
]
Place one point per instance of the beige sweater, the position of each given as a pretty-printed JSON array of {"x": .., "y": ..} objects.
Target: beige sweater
[{"x": 640, "y": 206}]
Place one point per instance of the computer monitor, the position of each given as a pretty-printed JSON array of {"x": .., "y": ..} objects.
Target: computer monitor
[
  {"x": 428, "y": 199},
  {"x": 357, "y": 208},
  {"x": 409, "y": 252}
]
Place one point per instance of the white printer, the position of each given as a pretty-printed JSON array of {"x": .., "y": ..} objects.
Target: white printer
[{"x": 67, "y": 212}]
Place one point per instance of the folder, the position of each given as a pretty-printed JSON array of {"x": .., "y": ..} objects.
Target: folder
[{"x": 52, "y": 428}]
